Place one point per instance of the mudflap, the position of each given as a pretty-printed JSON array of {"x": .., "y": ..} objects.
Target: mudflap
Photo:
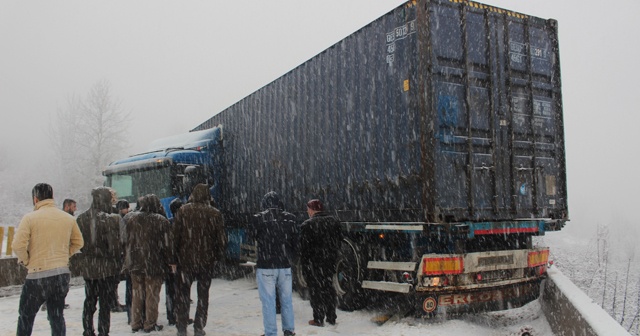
[
  {"x": 393, "y": 306},
  {"x": 444, "y": 304}
]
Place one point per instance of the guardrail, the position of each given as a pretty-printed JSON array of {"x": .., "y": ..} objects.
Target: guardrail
[
  {"x": 570, "y": 311},
  {"x": 10, "y": 233},
  {"x": 11, "y": 274}
]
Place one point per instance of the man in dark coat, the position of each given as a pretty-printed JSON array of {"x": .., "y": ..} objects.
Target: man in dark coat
[
  {"x": 170, "y": 280},
  {"x": 121, "y": 208},
  {"x": 148, "y": 258},
  {"x": 320, "y": 238},
  {"x": 200, "y": 242},
  {"x": 128, "y": 296},
  {"x": 99, "y": 262},
  {"x": 275, "y": 232}
]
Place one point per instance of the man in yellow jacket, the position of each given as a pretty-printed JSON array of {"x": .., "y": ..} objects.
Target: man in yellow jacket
[{"x": 45, "y": 240}]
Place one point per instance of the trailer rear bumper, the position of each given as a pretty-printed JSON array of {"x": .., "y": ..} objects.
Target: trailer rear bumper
[
  {"x": 387, "y": 286},
  {"x": 467, "y": 300}
]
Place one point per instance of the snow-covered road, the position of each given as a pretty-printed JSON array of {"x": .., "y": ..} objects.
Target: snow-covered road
[{"x": 234, "y": 310}]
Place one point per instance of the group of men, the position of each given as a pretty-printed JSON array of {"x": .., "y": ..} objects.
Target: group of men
[
  {"x": 149, "y": 249},
  {"x": 142, "y": 244}
]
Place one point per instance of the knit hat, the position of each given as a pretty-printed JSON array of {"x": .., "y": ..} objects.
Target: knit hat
[
  {"x": 271, "y": 200},
  {"x": 315, "y": 205},
  {"x": 122, "y": 204}
]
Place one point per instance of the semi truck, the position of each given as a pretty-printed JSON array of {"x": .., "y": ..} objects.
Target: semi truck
[{"x": 434, "y": 134}]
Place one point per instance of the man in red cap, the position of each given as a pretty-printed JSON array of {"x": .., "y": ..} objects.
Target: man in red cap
[{"x": 320, "y": 239}]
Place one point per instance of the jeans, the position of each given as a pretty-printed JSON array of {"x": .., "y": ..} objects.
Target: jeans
[
  {"x": 183, "y": 283},
  {"x": 104, "y": 292},
  {"x": 52, "y": 290},
  {"x": 268, "y": 280}
]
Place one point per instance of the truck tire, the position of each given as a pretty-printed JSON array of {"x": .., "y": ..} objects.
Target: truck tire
[
  {"x": 348, "y": 278},
  {"x": 299, "y": 283}
]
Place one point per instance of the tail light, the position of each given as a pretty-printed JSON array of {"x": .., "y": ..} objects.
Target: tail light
[
  {"x": 435, "y": 281},
  {"x": 446, "y": 265},
  {"x": 538, "y": 258}
]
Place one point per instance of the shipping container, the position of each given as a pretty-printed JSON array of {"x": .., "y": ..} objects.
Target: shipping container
[{"x": 438, "y": 112}]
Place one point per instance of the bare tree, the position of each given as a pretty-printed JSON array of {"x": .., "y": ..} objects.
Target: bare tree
[
  {"x": 66, "y": 145},
  {"x": 102, "y": 129},
  {"x": 604, "y": 288},
  {"x": 615, "y": 295},
  {"x": 86, "y": 135},
  {"x": 603, "y": 256},
  {"x": 603, "y": 243},
  {"x": 626, "y": 292},
  {"x": 637, "y": 315},
  {"x": 4, "y": 158}
]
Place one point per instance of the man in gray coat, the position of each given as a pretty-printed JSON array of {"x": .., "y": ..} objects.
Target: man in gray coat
[
  {"x": 200, "y": 242},
  {"x": 148, "y": 258},
  {"x": 99, "y": 262}
]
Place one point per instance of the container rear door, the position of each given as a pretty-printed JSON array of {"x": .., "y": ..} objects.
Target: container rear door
[
  {"x": 498, "y": 142},
  {"x": 533, "y": 124}
]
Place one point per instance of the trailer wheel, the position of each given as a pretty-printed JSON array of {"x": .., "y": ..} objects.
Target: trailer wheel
[
  {"x": 348, "y": 278},
  {"x": 299, "y": 283}
]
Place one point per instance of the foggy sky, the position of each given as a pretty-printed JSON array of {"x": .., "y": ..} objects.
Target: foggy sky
[{"x": 175, "y": 64}]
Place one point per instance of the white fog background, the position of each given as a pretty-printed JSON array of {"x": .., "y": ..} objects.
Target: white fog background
[
  {"x": 175, "y": 64},
  {"x": 172, "y": 65}
]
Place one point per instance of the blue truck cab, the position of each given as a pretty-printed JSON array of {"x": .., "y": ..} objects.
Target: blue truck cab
[{"x": 170, "y": 168}]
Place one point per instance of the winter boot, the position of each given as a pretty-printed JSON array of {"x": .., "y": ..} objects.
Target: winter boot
[
  {"x": 316, "y": 323},
  {"x": 155, "y": 327}
]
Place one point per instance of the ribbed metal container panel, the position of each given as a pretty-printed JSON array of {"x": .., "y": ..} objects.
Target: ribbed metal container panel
[{"x": 438, "y": 111}]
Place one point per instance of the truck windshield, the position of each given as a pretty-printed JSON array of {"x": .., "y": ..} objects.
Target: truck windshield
[{"x": 133, "y": 184}]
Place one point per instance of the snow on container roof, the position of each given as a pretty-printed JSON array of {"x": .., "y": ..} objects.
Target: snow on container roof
[
  {"x": 187, "y": 140},
  {"x": 491, "y": 8}
]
